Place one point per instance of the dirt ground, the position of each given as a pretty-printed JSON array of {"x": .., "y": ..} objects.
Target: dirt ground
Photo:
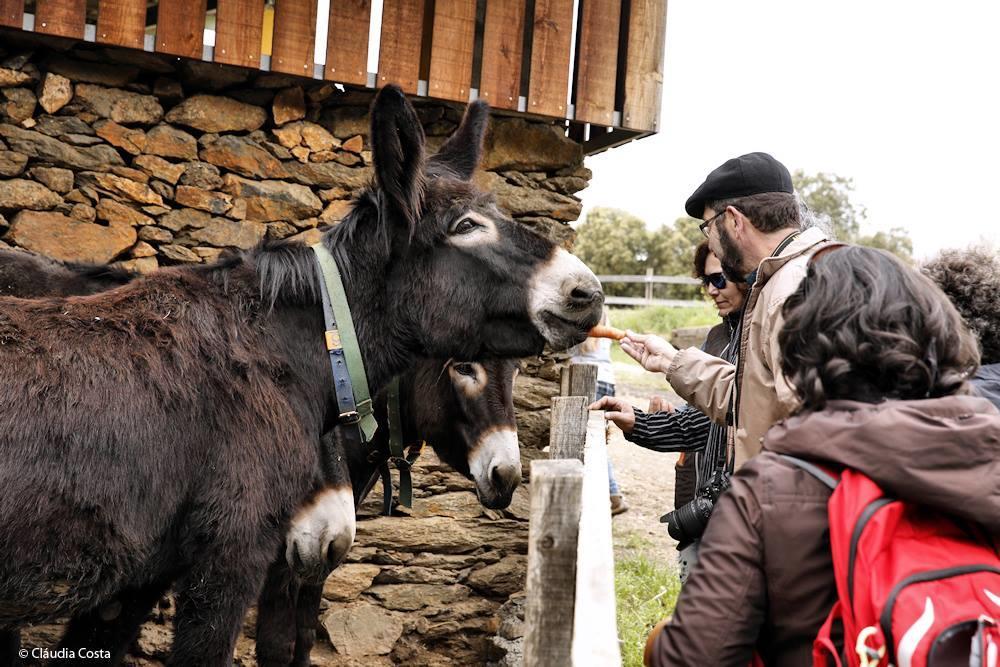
[{"x": 646, "y": 477}]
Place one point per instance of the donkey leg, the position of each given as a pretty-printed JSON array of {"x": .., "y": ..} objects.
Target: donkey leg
[
  {"x": 212, "y": 600},
  {"x": 276, "y": 616},
  {"x": 10, "y": 644},
  {"x": 307, "y": 615},
  {"x": 115, "y": 625}
]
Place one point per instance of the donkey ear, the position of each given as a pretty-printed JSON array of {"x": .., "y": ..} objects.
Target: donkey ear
[
  {"x": 463, "y": 150},
  {"x": 397, "y": 140}
]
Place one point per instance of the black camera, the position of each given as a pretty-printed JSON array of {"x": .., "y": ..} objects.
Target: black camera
[{"x": 687, "y": 523}]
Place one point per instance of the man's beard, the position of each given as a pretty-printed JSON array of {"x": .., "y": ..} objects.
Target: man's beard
[{"x": 731, "y": 257}]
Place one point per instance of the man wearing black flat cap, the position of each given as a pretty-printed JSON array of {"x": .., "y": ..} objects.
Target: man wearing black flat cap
[{"x": 752, "y": 219}]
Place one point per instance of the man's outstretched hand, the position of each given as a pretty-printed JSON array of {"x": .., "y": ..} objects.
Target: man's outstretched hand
[{"x": 652, "y": 352}]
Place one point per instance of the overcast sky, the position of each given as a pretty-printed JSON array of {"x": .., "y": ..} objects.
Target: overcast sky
[{"x": 900, "y": 96}]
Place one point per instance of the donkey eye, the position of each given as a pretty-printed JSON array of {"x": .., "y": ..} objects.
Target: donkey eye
[
  {"x": 465, "y": 369},
  {"x": 464, "y": 226}
]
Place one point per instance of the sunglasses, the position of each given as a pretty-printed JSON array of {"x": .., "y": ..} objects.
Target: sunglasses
[{"x": 716, "y": 280}]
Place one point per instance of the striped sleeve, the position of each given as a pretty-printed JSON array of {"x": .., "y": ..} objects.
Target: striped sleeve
[{"x": 684, "y": 430}]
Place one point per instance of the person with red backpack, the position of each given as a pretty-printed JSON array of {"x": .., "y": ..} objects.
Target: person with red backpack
[{"x": 866, "y": 532}]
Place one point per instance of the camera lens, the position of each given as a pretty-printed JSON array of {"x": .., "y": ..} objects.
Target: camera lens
[{"x": 687, "y": 523}]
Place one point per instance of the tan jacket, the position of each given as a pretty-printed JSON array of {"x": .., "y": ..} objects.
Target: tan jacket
[{"x": 762, "y": 395}]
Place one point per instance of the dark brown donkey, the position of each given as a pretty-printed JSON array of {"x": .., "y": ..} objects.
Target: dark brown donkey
[
  {"x": 164, "y": 432},
  {"x": 465, "y": 412}
]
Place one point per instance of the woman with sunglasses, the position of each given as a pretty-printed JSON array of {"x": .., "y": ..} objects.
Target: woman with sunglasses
[{"x": 702, "y": 443}]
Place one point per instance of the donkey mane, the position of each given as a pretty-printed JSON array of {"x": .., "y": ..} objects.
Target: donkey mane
[{"x": 287, "y": 269}]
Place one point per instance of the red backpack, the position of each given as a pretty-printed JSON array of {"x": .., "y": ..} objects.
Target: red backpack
[{"x": 915, "y": 587}]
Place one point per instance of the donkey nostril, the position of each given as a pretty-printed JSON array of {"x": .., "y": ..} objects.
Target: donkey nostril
[
  {"x": 582, "y": 294},
  {"x": 331, "y": 555}
]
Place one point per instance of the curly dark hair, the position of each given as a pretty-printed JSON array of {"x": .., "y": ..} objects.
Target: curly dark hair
[
  {"x": 700, "y": 255},
  {"x": 864, "y": 326},
  {"x": 971, "y": 279}
]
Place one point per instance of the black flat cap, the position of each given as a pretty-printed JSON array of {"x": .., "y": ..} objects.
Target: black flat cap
[{"x": 750, "y": 174}]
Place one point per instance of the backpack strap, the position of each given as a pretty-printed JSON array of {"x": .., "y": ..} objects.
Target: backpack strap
[{"x": 813, "y": 470}]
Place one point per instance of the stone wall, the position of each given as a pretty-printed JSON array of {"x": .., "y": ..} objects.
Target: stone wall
[{"x": 142, "y": 161}]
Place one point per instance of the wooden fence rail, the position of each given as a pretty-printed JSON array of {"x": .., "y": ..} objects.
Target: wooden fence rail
[
  {"x": 570, "y": 608},
  {"x": 598, "y": 64}
]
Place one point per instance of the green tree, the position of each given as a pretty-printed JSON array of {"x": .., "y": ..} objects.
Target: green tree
[
  {"x": 611, "y": 241},
  {"x": 831, "y": 196}
]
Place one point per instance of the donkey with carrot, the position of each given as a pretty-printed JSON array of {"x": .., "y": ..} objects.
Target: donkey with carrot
[
  {"x": 464, "y": 410},
  {"x": 164, "y": 432}
]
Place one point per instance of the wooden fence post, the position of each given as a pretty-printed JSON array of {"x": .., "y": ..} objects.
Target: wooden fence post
[
  {"x": 582, "y": 380},
  {"x": 568, "y": 431},
  {"x": 595, "y": 630},
  {"x": 649, "y": 285},
  {"x": 556, "y": 494}
]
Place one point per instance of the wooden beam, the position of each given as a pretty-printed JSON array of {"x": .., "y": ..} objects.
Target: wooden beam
[
  {"x": 65, "y": 18},
  {"x": 294, "y": 37},
  {"x": 347, "y": 41},
  {"x": 582, "y": 380},
  {"x": 402, "y": 38},
  {"x": 12, "y": 13},
  {"x": 451, "y": 49},
  {"x": 552, "y": 37},
  {"x": 238, "y": 28},
  {"x": 597, "y": 63},
  {"x": 503, "y": 41},
  {"x": 556, "y": 489},
  {"x": 568, "y": 432},
  {"x": 595, "y": 634},
  {"x": 121, "y": 23},
  {"x": 644, "y": 68},
  {"x": 180, "y": 28}
]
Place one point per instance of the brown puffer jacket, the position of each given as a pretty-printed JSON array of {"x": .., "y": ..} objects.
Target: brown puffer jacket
[{"x": 764, "y": 578}]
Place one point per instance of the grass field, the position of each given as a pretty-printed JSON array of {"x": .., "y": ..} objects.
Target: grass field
[
  {"x": 660, "y": 320},
  {"x": 646, "y": 590}
]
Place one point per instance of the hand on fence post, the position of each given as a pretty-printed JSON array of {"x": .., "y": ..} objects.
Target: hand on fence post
[{"x": 617, "y": 410}]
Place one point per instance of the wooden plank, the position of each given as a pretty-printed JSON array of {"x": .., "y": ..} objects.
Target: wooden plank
[
  {"x": 568, "y": 432},
  {"x": 180, "y": 28},
  {"x": 451, "y": 49},
  {"x": 12, "y": 13},
  {"x": 550, "y": 46},
  {"x": 65, "y": 18},
  {"x": 294, "y": 37},
  {"x": 597, "y": 63},
  {"x": 347, "y": 43},
  {"x": 122, "y": 23},
  {"x": 595, "y": 635},
  {"x": 402, "y": 34},
  {"x": 553, "y": 535},
  {"x": 644, "y": 69},
  {"x": 238, "y": 28},
  {"x": 503, "y": 41},
  {"x": 583, "y": 380}
]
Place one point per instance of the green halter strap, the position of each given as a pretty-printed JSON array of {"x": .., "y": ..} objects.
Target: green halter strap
[{"x": 350, "y": 381}]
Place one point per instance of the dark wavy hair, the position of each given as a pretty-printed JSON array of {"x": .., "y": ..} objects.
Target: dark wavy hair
[
  {"x": 700, "y": 255},
  {"x": 971, "y": 279},
  {"x": 768, "y": 211},
  {"x": 864, "y": 326}
]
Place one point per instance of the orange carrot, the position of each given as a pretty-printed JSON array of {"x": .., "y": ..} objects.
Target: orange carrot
[{"x": 601, "y": 331}]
